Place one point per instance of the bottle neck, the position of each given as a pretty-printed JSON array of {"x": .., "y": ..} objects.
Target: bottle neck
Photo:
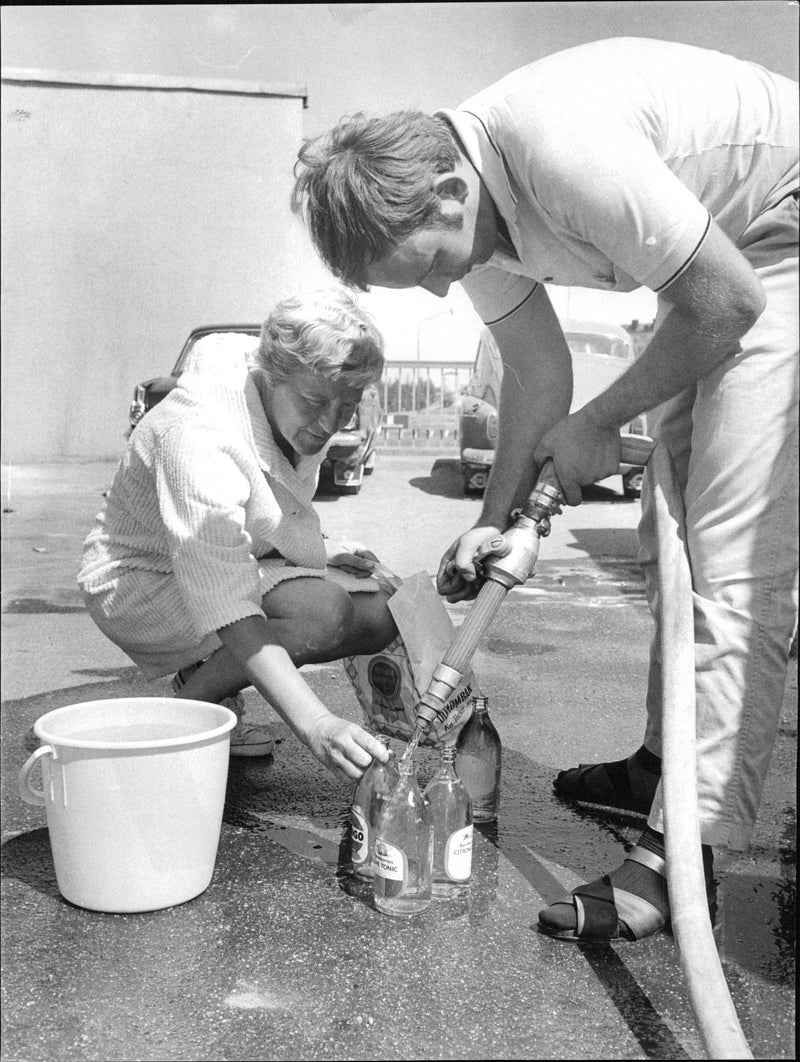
[
  {"x": 407, "y": 771},
  {"x": 480, "y": 705},
  {"x": 447, "y": 761}
]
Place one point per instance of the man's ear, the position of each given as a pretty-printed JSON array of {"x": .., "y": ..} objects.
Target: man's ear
[{"x": 450, "y": 186}]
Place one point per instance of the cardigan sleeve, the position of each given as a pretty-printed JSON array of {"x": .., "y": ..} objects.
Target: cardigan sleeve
[{"x": 202, "y": 495}]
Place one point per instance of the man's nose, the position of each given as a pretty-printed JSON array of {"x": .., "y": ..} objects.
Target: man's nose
[{"x": 330, "y": 417}]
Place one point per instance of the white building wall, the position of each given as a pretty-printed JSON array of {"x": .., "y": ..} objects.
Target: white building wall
[{"x": 132, "y": 211}]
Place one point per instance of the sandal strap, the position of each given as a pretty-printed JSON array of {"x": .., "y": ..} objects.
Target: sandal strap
[
  {"x": 640, "y": 916},
  {"x": 183, "y": 676},
  {"x": 595, "y": 911},
  {"x": 649, "y": 859},
  {"x": 600, "y": 907}
]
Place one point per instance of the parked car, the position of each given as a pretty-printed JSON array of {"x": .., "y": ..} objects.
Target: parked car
[
  {"x": 600, "y": 353},
  {"x": 351, "y": 452}
]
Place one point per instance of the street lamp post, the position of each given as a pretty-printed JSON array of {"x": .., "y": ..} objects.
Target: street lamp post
[{"x": 442, "y": 313}]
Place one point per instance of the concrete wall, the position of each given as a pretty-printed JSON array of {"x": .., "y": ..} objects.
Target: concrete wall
[{"x": 133, "y": 210}]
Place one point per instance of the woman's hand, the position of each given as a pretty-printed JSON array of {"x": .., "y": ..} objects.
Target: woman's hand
[
  {"x": 343, "y": 747},
  {"x": 351, "y": 557}
]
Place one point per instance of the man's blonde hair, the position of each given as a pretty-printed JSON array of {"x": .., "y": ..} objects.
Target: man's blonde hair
[{"x": 368, "y": 183}]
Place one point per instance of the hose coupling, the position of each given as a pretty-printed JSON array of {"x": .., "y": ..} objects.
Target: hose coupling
[
  {"x": 440, "y": 688},
  {"x": 519, "y": 563},
  {"x": 545, "y": 501}
]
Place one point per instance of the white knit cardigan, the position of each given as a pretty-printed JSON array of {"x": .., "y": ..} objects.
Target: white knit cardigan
[{"x": 204, "y": 497}]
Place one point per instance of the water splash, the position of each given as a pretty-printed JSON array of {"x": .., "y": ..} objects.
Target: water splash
[{"x": 411, "y": 746}]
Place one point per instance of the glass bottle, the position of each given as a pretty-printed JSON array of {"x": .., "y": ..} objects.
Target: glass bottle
[
  {"x": 403, "y": 848},
  {"x": 478, "y": 761},
  {"x": 451, "y": 815},
  {"x": 373, "y": 787}
]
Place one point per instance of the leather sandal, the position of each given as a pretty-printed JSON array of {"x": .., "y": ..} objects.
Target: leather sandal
[
  {"x": 611, "y": 787},
  {"x": 606, "y": 913}
]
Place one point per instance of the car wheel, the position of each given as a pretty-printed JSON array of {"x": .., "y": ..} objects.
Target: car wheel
[
  {"x": 632, "y": 483},
  {"x": 475, "y": 481}
]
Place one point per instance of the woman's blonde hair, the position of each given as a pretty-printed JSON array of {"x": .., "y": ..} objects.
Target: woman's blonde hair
[{"x": 325, "y": 331}]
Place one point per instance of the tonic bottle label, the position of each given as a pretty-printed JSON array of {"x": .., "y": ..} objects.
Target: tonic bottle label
[
  {"x": 458, "y": 855},
  {"x": 359, "y": 837},
  {"x": 391, "y": 867}
]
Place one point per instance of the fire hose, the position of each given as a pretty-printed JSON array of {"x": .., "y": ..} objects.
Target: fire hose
[{"x": 708, "y": 991}]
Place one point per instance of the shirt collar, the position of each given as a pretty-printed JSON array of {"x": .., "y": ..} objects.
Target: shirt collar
[
  {"x": 301, "y": 478},
  {"x": 218, "y": 367},
  {"x": 485, "y": 156}
]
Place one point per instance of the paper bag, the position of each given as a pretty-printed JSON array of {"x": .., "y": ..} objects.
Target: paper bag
[{"x": 390, "y": 684}]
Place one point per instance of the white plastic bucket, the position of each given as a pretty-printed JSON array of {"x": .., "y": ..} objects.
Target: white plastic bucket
[{"x": 134, "y": 790}]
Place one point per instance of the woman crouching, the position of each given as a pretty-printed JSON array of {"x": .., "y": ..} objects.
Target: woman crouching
[{"x": 208, "y": 558}]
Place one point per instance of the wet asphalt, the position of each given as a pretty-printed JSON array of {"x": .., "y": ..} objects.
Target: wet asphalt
[{"x": 284, "y": 955}]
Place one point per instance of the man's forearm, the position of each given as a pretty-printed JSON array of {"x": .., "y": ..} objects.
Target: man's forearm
[
  {"x": 677, "y": 356},
  {"x": 536, "y": 393},
  {"x": 714, "y": 303},
  {"x": 514, "y": 470}
]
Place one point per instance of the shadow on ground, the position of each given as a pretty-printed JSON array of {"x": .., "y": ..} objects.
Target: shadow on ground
[
  {"x": 290, "y": 804},
  {"x": 446, "y": 480}
]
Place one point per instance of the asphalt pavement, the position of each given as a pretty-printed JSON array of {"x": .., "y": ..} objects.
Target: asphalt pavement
[{"x": 284, "y": 955}]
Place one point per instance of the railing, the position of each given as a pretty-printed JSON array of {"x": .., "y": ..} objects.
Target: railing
[
  {"x": 420, "y": 402},
  {"x": 429, "y": 387}
]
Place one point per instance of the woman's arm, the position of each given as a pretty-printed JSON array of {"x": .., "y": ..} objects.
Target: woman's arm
[{"x": 344, "y": 747}]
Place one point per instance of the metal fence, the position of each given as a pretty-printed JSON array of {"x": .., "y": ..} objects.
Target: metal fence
[{"x": 423, "y": 387}]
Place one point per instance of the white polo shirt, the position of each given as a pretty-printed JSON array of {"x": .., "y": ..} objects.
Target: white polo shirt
[{"x": 607, "y": 162}]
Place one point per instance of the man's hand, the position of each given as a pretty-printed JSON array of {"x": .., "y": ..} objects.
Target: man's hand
[
  {"x": 459, "y": 577},
  {"x": 582, "y": 451},
  {"x": 343, "y": 747}
]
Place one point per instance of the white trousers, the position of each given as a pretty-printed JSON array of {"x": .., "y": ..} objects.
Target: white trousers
[{"x": 733, "y": 438}]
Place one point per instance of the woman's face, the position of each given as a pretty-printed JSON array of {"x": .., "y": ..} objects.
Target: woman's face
[{"x": 306, "y": 409}]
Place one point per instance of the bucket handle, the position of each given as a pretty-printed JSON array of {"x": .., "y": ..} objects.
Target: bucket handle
[{"x": 26, "y": 790}]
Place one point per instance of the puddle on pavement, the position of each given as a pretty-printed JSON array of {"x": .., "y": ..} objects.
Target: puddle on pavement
[
  {"x": 507, "y": 647},
  {"x": 552, "y": 845},
  {"x": 757, "y": 925},
  {"x": 582, "y": 584},
  {"x": 34, "y": 606}
]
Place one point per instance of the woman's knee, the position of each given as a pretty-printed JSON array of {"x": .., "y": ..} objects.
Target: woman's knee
[
  {"x": 374, "y": 626},
  {"x": 318, "y": 614}
]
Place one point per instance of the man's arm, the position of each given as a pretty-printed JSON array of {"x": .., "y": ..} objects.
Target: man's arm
[
  {"x": 536, "y": 393},
  {"x": 714, "y": 303}
]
